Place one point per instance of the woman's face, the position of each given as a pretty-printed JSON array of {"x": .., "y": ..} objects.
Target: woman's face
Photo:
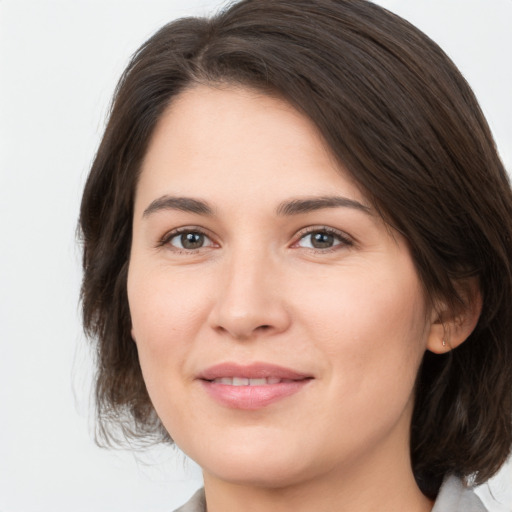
[{"x": 279, "y": 322}]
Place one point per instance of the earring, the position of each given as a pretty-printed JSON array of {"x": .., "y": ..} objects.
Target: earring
[{"x": 444, "y": 342}]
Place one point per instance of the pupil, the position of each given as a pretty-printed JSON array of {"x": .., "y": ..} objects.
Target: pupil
[
  {"x": 322, "y": 240},
  {"x": 192, "y": 240}
]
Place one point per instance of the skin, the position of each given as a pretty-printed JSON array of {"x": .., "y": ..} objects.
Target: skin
[{"x": 352, "y": 315}]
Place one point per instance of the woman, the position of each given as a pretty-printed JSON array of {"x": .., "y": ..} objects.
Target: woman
[{"x": 297, "y": 245}]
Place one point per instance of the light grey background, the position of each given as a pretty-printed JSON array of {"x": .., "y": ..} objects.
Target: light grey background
[{"x": 59, "y": 62}]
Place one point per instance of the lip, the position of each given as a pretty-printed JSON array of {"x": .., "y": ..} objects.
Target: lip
[
  {"x": 251, "y": 371},
  {"x": 252, "y": 397}
]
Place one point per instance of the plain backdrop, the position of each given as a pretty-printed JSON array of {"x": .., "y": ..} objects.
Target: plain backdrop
[{"x": 59, "y": 62}]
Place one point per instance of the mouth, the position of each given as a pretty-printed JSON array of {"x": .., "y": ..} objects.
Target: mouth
[
  {"x": 243, "y": 381},
  {"x": 252, "y": 386},
  {"x": 242, "y": 375}
]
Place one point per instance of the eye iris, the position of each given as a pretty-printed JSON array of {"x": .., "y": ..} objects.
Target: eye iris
[
  {"x": 192, "y": 240},
  {"x": 322, "y": 240}
]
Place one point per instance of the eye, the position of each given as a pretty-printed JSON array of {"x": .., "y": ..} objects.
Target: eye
[
  {"x": 187, "y": 240},
  {"x": 323, "y": 239}
]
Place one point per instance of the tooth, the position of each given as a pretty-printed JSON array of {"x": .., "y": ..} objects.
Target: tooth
[
  {"x": 240, "y": 381},
  {"x": 257, "y": 382}
]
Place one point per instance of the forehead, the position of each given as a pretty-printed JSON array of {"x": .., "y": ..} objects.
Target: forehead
[{"x": 230, "y": 141}]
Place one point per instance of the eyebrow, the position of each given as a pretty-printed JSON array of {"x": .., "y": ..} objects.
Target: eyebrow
[
  {"x": 310, "y": 204},
  {"x": 184, "y": 204},
  {"x": 286, "y": 208}
]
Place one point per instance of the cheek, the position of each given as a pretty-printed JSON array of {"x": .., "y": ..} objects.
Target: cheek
[
  {"x": 164, "y": 320},
  {"x": 162, "y": 306},
  {"x": 356, "y": 304},
  {"x": 373, "y": 330}
]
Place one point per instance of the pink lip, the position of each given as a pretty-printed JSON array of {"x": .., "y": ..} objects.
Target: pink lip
[
  {"x": 251, "y": 371},
  {"x": 252, "y": 397}
]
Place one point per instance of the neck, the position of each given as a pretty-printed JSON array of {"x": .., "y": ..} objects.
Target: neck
[
  {"x": 332, "y": 493},
  {"x": 381, "y": 480}
]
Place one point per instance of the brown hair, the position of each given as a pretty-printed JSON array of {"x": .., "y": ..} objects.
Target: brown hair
[{"x": 400, "y": 117}]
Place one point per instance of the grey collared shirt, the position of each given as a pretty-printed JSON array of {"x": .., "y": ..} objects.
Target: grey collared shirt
[{"x": 453, "y": 497}]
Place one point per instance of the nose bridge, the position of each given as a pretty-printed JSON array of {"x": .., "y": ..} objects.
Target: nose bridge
[{"x": 249, "y": 299}]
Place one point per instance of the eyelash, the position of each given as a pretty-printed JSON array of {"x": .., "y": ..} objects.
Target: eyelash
[
  {"x": 166, "y": 239},
  {"x": 343, "y": 239}
]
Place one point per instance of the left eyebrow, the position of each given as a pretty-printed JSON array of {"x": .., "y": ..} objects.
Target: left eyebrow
[
  {"x": 184, "y": 204},
  {"x": 311, "y": 204}
]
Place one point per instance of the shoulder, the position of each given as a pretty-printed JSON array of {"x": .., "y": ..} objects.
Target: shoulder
[
  {"x": 196, "y": 504},
  {"x": 455, "y": 497}
]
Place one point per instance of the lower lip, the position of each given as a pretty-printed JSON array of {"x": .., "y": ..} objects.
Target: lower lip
[{"x": 252, "y": 397}]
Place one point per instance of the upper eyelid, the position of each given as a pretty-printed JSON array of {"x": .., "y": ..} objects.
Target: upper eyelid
[
  {"x": 315, "y": 229},
  {"x": 301, "y": 233},
  {"x": 169, "y": 235}
]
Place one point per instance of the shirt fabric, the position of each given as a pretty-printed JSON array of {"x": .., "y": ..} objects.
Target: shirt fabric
[{"x": 453, "y": 497}]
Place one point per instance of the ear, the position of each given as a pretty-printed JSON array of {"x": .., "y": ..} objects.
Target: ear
[{"x": 449, "y": 328}]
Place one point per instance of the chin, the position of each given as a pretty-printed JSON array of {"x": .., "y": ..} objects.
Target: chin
[
  {"x": 268, "y": 463},
  {"x": 255, "y": 473}
]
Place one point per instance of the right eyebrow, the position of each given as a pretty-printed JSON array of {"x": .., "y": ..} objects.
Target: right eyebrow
[
  {"x": 184, "y": 204},
  {"x": 310, "y": 204}
]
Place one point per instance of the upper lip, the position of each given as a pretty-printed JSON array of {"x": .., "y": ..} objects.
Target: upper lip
[{"x": 251, "y": 371}]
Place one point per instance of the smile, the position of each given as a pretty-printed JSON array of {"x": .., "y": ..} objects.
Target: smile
[
  {"x": 251, "y": 387},
  {"x": 243, "y": 381}
]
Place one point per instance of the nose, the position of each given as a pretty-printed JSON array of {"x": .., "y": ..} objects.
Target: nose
[{"x": 250, "y": 301}]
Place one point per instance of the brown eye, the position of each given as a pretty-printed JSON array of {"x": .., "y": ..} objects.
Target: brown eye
[
  {"x": 323, "y": 239},
  {"x": 189, "y": 240},
  {"x": 192, "y": 240}
]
